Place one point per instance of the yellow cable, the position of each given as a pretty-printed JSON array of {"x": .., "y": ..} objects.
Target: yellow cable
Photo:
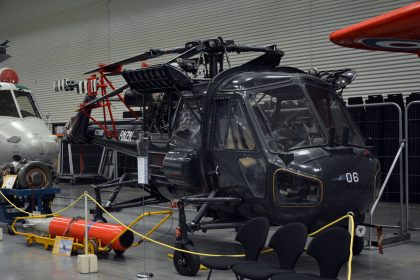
[
  {"x": 349, "y": 263},
  {"x": 158, "y": 242},
  {"x": 349, "y": 216},
  {"x": 43, "y": 215},
  {"x": 19, "y": 209},
  {"x": 218, "y": 255}
]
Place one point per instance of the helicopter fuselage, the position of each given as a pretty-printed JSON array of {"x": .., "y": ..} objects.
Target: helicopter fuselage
[
  {"x": 279, "y": 139},
  {"x": 23, "y": 134}
]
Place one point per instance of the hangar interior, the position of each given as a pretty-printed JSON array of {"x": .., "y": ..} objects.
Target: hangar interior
[{"x": 52, "y": 43}]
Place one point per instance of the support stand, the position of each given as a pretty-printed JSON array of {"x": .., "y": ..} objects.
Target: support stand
[
  {"x": 128, "y": 180},
  {"x": 143, "y": 179},
  {"x": 87, "y": 263},
  {"x": 403, "y": 236}
]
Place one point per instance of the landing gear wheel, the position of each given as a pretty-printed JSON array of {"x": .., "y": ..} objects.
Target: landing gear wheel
[
  {"x": 10, "y": 230},
  {"x": 92, "y": 247},
  {"x": 119, "y": 252},
  {"x": 186, "y": 264},
  {"x": 100, "y": 219},
  {"x": 57, "y": 180},
  {"x": 34, "y": 175},
  {"x": 358, "y": 244}
]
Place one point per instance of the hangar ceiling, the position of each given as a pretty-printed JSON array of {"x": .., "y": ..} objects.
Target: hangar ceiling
[{"x": 62, "y": 39}]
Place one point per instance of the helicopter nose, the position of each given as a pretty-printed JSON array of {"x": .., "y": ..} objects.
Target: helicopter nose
[{"x": 350, "y": 183}]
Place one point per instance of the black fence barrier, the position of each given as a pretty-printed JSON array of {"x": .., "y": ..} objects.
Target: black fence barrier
[
  {"x": 412, "y": 174},
  {"x": 382, "y": 122}
]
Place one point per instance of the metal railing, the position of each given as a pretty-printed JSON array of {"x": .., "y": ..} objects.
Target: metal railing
[
  {"x": 412, "y": 125},
  {"x": 371, "y": 122}
]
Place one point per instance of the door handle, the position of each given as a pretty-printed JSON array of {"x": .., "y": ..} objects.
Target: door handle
[{"x": 214, "y": 172}]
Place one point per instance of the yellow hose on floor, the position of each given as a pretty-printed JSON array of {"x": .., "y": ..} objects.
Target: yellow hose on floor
[{"x": 348, "y": 216}]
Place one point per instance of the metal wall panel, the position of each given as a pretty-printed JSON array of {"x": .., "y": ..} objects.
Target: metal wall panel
[{"x": 55, "y": 39}]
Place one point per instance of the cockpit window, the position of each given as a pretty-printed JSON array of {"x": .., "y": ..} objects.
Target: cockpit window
[
  {"x": 232, "y": 130},
  {"x": 188, "y": 127},
  {"x": 286, "y": 119},
  {"x": 26, "y": 104},
  {"x": 250, "y": 80},
  {"x": 333, "y": 114},
  {"x": 7, "y": 104}
]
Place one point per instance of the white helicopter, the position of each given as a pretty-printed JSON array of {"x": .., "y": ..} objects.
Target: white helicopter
[{"x": 27, "y": 147}]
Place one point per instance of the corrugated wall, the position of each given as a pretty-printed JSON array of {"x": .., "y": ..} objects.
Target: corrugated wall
[{"x": 55, "y": 39}]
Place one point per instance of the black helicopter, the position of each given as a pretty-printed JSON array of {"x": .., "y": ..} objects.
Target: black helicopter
[{"x": 254, "y": 140}]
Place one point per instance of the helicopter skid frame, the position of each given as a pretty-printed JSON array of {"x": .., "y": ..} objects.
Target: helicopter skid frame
[{"x": 117, "y": 185}]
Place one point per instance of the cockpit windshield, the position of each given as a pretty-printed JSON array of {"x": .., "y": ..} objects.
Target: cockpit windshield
[
  {"x": 7, "y": 104},
  {"x": 333, "y": 114},
  {"x": 288, "y": 120},
  {"x": 26, "y": 104}
]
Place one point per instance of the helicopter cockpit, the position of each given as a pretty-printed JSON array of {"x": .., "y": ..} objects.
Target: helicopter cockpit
[
  {"x": 17, "y": 103},
  {"x": 23, "y": 134},
  {"x": 292, "y": 111}
]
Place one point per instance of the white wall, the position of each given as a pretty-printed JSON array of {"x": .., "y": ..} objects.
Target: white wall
[{"x": 55, "y": 39}]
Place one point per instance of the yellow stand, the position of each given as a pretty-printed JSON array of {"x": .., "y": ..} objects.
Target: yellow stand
[{"x": 94, "y": 246}]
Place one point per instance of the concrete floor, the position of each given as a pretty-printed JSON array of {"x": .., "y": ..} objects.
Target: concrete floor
[{"x": 17, "y": 261}]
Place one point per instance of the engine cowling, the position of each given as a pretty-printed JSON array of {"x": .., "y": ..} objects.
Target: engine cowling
[{"x": 181, "y": 167}]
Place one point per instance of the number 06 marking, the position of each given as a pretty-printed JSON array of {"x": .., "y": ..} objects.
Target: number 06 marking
[{"x": 352, "y": 177}]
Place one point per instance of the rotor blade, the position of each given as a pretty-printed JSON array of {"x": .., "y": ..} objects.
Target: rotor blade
[
  {"x": 191, "y": 52},
  {"x": 4, "y": 44},
  {"x": 111, "y": 94},
  {"x": 153, "y": 53},
  {"x": 3, "y": 57}
]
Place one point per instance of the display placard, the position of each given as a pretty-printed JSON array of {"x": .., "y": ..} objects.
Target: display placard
[
  {"x": 63, "y": 246},
  {"x": 9, "y": 181},
  {"x": 142, "y": 170}
]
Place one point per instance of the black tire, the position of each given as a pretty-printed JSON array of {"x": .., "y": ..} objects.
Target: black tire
[
  {"x": 25, "y": 180},
  {"x": 100, "y": 219},
  {"x": 10, "y": 230},
  {"x": 119, "y": 252},
  {"x": 358, "y": 245},
  {"x": 186, "y": 264},
  {"x": 92, "y": 247},
  {"x": 57, "y": 180}
]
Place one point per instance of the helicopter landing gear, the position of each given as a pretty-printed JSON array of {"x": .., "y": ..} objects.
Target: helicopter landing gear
[
  {"x": 358, "y": 245},
  {"x": 189, "y": 264},
  {"x": 186, "y": 264}
]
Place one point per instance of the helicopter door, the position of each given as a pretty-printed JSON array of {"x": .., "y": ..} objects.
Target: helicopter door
[{"x": 235, "y": 151}]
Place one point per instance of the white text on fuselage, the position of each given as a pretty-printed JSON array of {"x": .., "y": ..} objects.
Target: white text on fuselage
[{"x": 126, "y": 136}]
